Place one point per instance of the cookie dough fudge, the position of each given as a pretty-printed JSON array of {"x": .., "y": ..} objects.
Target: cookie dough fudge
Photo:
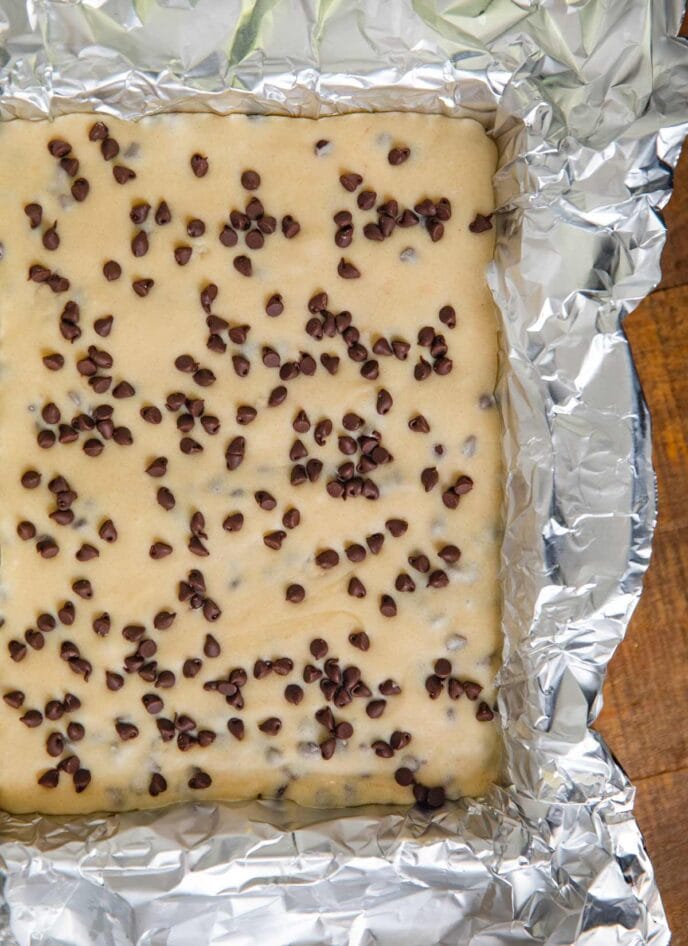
[{"x": 250, "y": 472}]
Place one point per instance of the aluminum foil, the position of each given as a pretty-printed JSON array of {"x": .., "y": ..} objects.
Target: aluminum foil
[{"x": 588, "y": 102}]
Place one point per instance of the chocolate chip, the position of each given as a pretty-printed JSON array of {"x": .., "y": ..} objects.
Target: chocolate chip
[
  {"x": 347, "y": 270},
  {"x": 365, "y": 200},
  {"x": 388, "y": 606},
  {"x": 290, "y": 227},
  {"x": 211, "y": 647},
  {"x": 434, "y": 686},
  {"x": 421, "y": 563},
  {"x": 344, "y": 236},
  {"x": 321, "y": 147},
  {"x": 201, "y": 779},
  {"x": 26, "y": 530},
  {"x": 123, "y": 174},
  {"x": 47, "y": 548},
  {"x": 51, "y": 239},
  {"x": 15, "y": 698},
  {"x": 400, "y": 349},
  {"x": 371, "y": 231},
  {"x": 157, "y": 785},
  {"x": 80, "y": 189},
  {"x": 195, "y": 227},
  {"x": 480, "y": 223},
  {"x": 375, "y": 542},
  {"x": 484, "y": 713},
  {"x": 86, "y": 553},
  {"x": 447, "y": 316},
  {"x": 271, "y": 726},
  {"x": 126, "y": 731},
  {"x": 463, "y": 485},
  {"x": 370, "y": 370},
  {"x": 199, "y": 165},
  {"x": 243, "y": 265},
  {"x": 142, "y": 286},
  {"x": 443, "y": 366},
  {"x": 350, "y": 181},
  {"x": 356, "y": 588},
  {"x": 159, "y": 550},
  {"x": 182, "y": 255},
  {"x": 404, "y": 583},
  {"x": 109, "y": 148},
  {"x": 163, "y": 620},
  {"x": 113, "y": 681},
  {"x": 435, "y": 229},
  {"x": 157, "y": 467},
  {"x": 450, "y": 499},
  {"x": 112, "y": 270},
  {"x": 327, "y": 559},
  {"x": 35, "y": 214},
  {"x": 250, "y": 180},
  {"x": 274, "y": 305},
  {"x": 139, "y": 245},
  {"x": 277, "y": 396},
  {"x": 34, "y": 639},
  {"x": 375, "y": 708},
  {"x": 295, "y": 593},
  {"x": 67, "y": 613},
  {"x": 53, "y": 362},
  {"x": 233, "y": 522},
  {"x": 228, "y": 237},
  {"x": 153, "y": 703},
  {"x": 32, "y": 718}
]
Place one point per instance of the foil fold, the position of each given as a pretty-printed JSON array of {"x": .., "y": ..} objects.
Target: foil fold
[{"x": 588, "y": 103}]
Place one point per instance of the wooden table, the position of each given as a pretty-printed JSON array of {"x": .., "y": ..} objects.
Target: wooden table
[{"x": 645, "y": 718}]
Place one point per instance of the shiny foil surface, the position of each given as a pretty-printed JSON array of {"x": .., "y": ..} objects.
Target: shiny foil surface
[{"x": 588, "y": 102}]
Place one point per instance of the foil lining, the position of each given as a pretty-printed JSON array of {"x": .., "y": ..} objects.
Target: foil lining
[{"x": 588, "y": 102}]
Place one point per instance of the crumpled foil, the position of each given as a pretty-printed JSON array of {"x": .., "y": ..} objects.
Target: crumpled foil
[{"x": 588, "y": 102}]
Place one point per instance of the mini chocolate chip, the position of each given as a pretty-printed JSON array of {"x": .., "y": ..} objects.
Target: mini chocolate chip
[
  {"x": 447, "y": 316},
  {"x": 199, "y": 165},
  {"x": 295, "y": 593},
  {"x": 195, "y": 227},
  {"x": 126, "y": 731},
  {"x": 435, "y": 229},
  {"x": 271, "y": 726},
  {"x": 182, "y": 255},
  {"x": 356, "y": 588},
  {"x": 274, "y": 305},
  {"x": 113, "y": 681},
  {"x": 112, "y": 270},
  {"x": 375, "y": 708},
  {"x": 290, "y": 227},
  {"x": 450, "y": 499},
  {"x": 350, "y": 181},
  {"x": 32, "y": 718},
  {"x": 35, "y": 214},
  {"x": 139, "y": 244},
  {"x": 157, "y": 467},
  {"x": 450, "y": 554},
  {"x": 109, "y": 148},
  {"x": 250, "y": 180},
  {"x": 142, "y": 286},
  {"x": 375, "y": 542},
  {"x": 429, "y": 478},
  {"x": 277, "y": 396},
  {"x": 123, "y": 174},
  {"x": 347, "y": 270},
  {"x": 480, "y": 223},
  {"x": 243, "y": 265},
  {"x": 443, "y": 366},
  {"x": 163, "y": 620},
  {"x": 211, "y": 647},
  {"x": 157, "y": 785},
  {"x": 398, "y": 155},
  {"x": 274, "y": 540},
  {"x": 420, "y": 562},
  {"x": 434, "y": 686},
  {"x": 442, "y": 667},
  {"x": 26, "y": 530},
  {"x": 51, "y": 239},
  {"x": 404, "y": 583},
  {"x": 388, "y": 606},
  {"x": 484, "y": 713},
  {"x": 233, "y": 522},
  {"x": 201, "y": 779}
]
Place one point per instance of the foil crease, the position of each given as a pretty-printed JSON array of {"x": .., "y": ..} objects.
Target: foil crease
[{"x": 588, "y": 102}]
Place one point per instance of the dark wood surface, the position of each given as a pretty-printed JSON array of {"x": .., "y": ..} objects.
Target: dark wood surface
[{"x": 645, "y": 717}]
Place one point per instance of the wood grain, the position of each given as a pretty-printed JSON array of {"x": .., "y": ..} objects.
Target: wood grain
[{"x": 645, "y": 719}]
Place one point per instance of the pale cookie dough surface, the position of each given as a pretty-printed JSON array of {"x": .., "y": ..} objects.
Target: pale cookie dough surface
[{"x": 153, "y": 734}]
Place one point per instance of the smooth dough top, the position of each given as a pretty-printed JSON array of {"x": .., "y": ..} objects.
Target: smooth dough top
[{"x": 251, "y": 475}]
